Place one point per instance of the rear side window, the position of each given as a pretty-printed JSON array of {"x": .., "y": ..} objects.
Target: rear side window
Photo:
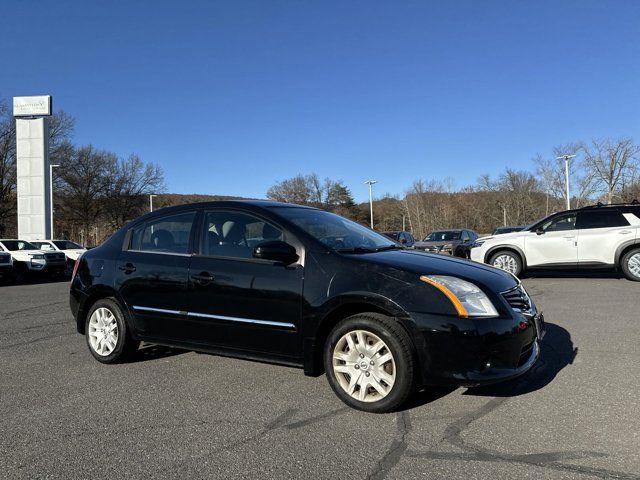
[
  {"x": 166, "y": 234},
  {"x": 601, "y": 219}
]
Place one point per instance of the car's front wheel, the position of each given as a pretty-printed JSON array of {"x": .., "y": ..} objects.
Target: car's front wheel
[
  {"x": 508, "y": 261},
  {"x": 108, "y": 337},
  {"x": 631, "y": 264},
  {"x": 369, "y": 362}
]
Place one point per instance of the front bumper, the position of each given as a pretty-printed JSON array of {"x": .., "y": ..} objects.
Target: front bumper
[{"x": 472, "y": 352}]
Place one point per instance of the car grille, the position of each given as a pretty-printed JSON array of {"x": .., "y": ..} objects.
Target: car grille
[
  {"x": 55, "y": 257},
  {"x": 4, "y": 258},
  {"x": 518, "y": 299}
]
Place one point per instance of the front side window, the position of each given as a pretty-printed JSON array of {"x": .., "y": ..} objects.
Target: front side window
[
  {"x": 164, "y": 235},
  {"x": 235, "y": 234},
  {"x": 601, "y": 219},
  {"x": 334, "y": 231},
  {"x": 560, "y": 223}
]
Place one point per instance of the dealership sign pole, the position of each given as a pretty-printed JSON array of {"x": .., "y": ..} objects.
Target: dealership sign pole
[{"x": 32, "y": 166}]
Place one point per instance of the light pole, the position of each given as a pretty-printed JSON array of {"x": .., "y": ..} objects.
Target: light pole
[
  {"x": 51, "y": 167},
  {"x": 151, "y": 202},
  {"x": 370, "y": 183},
  {"x": 566, "y": 175}
]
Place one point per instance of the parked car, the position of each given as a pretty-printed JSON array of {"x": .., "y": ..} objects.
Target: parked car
[
  {"x": 318, "y": 292},
  {"x": 27, "y": 258},
  {"x": 72, "y": 250},
  {"x": 6, "y": 266},
  {"x": 402, "y": 237},
  {"x": 596, "y": 236},
  {"x": 501, "y": 230},
  {"x": 456, "y": 242}
]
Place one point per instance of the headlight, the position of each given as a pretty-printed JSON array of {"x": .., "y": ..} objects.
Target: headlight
[
  {"x": 446, "y": 247},
  {"x": 477, "y": 243},
  {"x": 37, "y": 257},
  {"x": 467, "y": 298}
]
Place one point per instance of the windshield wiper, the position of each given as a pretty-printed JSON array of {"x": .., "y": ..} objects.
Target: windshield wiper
[
  {"x": 389, "y": 247},
  {"x": 356, "y": 250}
]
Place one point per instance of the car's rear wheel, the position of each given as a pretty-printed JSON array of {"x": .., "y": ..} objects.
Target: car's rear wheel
[
  {"x": 108, "y": 337},
  {"x": 369, "y": 361},
  {"x": 631, "y": 264},
  {"x": 508, "y": 261}
]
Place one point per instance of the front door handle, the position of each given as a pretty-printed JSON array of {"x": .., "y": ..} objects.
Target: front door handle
[
  {"x": 128, "y": 268},
  {"x": 625, "y": 232},
  {"x": 202, "y": 278}
]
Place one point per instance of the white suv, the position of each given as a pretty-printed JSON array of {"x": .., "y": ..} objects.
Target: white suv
[
  {"x": 595, "y": 236},
  {"x": 28, "y": 258},
  {"x": 72, "y": 250}
]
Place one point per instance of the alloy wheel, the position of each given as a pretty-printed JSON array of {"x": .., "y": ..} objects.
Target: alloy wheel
[
  {"x": 364, "y": 366},
  {"x": 103, "y": 331},
  {"x": 634, "y": 264},
  {"x": 506, "y": 262}
]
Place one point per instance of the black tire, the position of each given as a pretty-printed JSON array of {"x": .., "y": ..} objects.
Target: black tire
[
  {"x": 126, "y": 346},
  {"x": 624, "y": 264},
  {"x": 513, "y": 255},
  {"x": 399, "y": 345}
]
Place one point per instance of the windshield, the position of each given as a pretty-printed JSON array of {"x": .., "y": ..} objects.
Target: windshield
[
  {"x": 442, "y": 236},
  {"x": 334, "y": 231},
  {"x": 392, "y": 235},
  {"x": 15, "y": 245},
  {"x": 67, "y": 245}
]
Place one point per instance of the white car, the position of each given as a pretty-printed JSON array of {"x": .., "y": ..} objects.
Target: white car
[
  {"x": 27, "y": 258},
  {"x": 595, "y": 236},
  {"x": 72, "y": 250}
]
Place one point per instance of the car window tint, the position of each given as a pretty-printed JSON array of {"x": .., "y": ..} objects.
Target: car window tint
[
  {"x": 166, "y": 234},
  {"x": 560, "y": 223},
  {"x": 601, "y": 219},
  {"x": 234, "y": 234}
]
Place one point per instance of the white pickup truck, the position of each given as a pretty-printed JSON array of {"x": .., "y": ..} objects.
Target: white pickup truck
[{"x": 27, "y": 258}]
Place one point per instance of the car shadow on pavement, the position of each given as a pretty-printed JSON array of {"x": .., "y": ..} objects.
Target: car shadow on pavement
[
  {"x": 150, "y": 352},
  {"x": 557, "y": 351}
]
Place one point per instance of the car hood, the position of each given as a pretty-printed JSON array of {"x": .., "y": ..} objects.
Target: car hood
[
  {"x": 432, "y": 264},
  {"x": 501, "y": 236}
]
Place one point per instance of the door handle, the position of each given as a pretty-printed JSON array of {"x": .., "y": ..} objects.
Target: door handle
[
  {"x": 569, "y": 237},
  {"x": 128, "y": 268},
  {"x": 202, "y": 278},
  {"x": 625, "y": 232}
]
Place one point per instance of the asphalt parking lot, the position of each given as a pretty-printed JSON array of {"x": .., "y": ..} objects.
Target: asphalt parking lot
[{"x": 178, "y": 414}]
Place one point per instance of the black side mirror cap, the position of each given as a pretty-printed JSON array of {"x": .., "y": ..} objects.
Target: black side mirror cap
[
  {"x": 539, "y": 231},
  {"x": 276, "y": 251}
]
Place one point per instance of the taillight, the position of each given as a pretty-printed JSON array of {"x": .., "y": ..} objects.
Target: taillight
[{"x": 75, "y": 268}]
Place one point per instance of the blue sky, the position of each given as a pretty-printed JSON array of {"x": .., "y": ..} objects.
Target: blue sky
[{"x": 229, "y": 97}]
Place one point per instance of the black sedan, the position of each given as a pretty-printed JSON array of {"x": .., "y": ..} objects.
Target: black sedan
[{"x": 303, "y": 287}]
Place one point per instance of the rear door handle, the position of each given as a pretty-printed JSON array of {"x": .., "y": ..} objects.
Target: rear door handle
[
  {"x": 203, "y": 278},
  {"x": 128, "y": 268},
  {"x": 625, "y": 232}
]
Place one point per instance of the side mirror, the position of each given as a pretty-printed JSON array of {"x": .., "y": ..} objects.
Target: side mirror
[
  {"x": 539, "y": 231},
  {"x": 276, "y": 251}
]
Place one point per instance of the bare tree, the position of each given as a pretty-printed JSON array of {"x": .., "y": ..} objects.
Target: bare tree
[
  {"x": 129, "y": 183},
  {"x": 613, "y": 165}
]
